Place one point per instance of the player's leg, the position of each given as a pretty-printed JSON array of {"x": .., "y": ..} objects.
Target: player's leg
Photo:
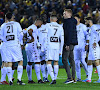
[
  {"x": 90, "y": 69},
  {"x": 84, "y": 64},
  {"x": 13, "y": 69},
  {"x": 9, "y": 72},
  {"x": 72, "y": 62},
  {"x": 56, "y": 69},
  {"x": 50, "y": 71},
  {"x": 29, "y": 72},
  {"x": 43, "y": 69},
  {"x": 77, "y": 55},
  {"x": 97, "y": 63},
  {"x": 3, "y": 73},
  {"x": 29, "y": 53},
  {"x": 37, "y": 70}
]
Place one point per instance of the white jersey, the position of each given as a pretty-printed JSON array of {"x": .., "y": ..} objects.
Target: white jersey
[
  {"x": 31, "y": 48},
  {"x": 94, "y": 34},
  {"x": 11, "y": 32},
  {"x": 42, "y": 34},
  {"x": 94, "y": 52},
  {"x": 55, "y": 36},
  {"x": 81, "y": 35}
]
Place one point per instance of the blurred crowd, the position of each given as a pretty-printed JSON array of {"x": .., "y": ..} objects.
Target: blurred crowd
[{"x": 26, "y": 11}]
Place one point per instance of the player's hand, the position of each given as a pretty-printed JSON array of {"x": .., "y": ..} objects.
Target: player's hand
[
  {"x": 22, "y": 47},
  {"x": 32, "y": 40},
  {"x": 59, "y": 54},
  {"x": 30, "y": 32},
  {"x": 94, "y": 45},
  {"x": 67, "y": 47},
  {"x": 86, "y": 47}
]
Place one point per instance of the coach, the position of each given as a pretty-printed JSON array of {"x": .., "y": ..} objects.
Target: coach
[{"x": 70, "y": 39}]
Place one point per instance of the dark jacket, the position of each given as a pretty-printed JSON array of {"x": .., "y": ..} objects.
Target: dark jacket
[{"x": 70, "y": 33}]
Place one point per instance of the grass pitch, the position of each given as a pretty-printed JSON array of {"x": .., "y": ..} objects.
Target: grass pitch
[{"x": 59, "y": 86}]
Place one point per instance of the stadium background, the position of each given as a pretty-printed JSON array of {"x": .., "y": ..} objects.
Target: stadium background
[{"x": 26, "y": 11}]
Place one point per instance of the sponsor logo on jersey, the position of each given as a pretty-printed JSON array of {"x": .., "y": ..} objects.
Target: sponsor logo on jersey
[{"x": 53, "y": 39}]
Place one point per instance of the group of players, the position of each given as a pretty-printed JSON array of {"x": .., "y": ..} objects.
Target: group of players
[{"x": 44, "y": 44}]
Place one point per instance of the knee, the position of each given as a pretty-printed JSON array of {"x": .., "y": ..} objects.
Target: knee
[
  {"x": 20, "y": 63},
  {"x": 42, "y": 62},
  {"x": 97, "y": 62},
  {"x": 89, "y": 62}
]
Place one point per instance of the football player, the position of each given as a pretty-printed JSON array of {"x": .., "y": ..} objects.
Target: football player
[
  {"x": 55, "y": 41},
  {"x": 94, "y": 49},
  {"x": 32, "y": 51},
  {"x": 42, "y": 33},
  {"x": 79, "y": 50},
  {"x": 11, "y": 49}
]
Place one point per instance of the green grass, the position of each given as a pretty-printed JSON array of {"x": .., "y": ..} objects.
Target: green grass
[{"x": 59, "y": 86}]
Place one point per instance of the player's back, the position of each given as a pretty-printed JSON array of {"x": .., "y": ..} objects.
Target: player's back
[
  {"x": 54, "y": 31},
  {"x": 10, "y": 32}
]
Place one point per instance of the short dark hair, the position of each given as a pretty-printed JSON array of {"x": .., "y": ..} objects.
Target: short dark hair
[
  {"x": 53, "y": 15},
  {"x": 89, "y": 18},
  {"x": 77, "y": 15},
  {"x": 9, "y": 15}
]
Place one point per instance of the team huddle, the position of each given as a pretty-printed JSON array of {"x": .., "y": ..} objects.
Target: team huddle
[{"x": 43, "y": 44}]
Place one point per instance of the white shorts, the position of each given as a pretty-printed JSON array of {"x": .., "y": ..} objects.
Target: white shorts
[
  {"x": 32, "y": 53},
  {"x": 52, "y": 54},
  {"x": 94, "y": 53},
  {"x": 11, "y": 54},
  {"x": 41, "y": 55},
  {"x": 79, "y": 53}
]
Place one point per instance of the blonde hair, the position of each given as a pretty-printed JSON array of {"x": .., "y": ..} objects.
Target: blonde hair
[{"x": 68, "y": 10}]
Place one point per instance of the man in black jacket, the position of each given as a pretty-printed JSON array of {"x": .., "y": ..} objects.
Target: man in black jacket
[{"x": 70, "y": 39}]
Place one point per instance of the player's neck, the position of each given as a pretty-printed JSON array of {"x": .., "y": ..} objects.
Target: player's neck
[
  {"x": 91, "y": 24},
  {"x": 78, "y": 23}
]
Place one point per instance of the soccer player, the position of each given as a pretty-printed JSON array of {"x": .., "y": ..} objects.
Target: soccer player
[
  {"x": 32, "y": 51},
  {"x": 55, "y": 41},
  {"x": 11, "y": 49},
  {"x": 94, "y": 49},
  {"x": 42, "y": 33},
  {"x": 79, "y": 50}
]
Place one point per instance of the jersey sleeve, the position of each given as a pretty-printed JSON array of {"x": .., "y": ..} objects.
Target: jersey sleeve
[
  {"x": 1, "y": 34},
  {"x": 61, "y": 40},
  {"x": 20, "y": 33}
]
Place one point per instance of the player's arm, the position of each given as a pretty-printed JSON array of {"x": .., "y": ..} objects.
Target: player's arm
[
  {"x": 30, "y": 32},
  {"x": 20, "y": 33},
  {"x": 1, "y": 34},
  {"x": 61, "y": 41}
]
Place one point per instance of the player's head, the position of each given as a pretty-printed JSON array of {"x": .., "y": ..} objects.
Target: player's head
[
  {"x": 53, "y": 18},
  {"x": 67, "y": 13},
  {"x": 88, "y": 21},
  {"x": 77, "y": 17},
  {"x": 38, "y": 22},
  {"x": 8, "y": 16}
]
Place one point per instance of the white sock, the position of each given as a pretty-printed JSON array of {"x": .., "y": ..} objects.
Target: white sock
[
  {"x": 78, "y": 69},
  {"x": 37, "y": 70},
  {"x": 90, "y": 68},
  {"x": 43, "y": 70},
  {"x": 29, "y": 72},
  {"x": 3, "y": 74},
  {"x": 9, "y": 73},
  {"x": 19, "y": 72},
  {"x": 56, "y": 68},
  {"x": 50, "y": 71},
  {"x": 98, "y": 70},
  {"x": 12, "y": 73},
  {"x": 84, "y": 64}
]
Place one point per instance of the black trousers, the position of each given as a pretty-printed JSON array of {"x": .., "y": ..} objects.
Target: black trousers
[{"x": 68, "y": 54}]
